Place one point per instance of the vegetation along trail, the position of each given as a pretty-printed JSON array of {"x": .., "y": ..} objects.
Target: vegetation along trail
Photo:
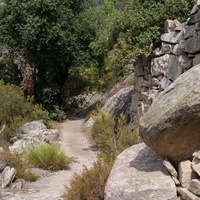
[{"x": 51, "y": 185}]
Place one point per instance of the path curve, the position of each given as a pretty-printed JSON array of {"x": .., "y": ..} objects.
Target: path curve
[{"x": 51, "y": 185}]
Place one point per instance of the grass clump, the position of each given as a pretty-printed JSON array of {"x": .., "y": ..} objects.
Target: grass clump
[
  {"x": 90, "y": 184},
  {"x": 48, "y": 156}
]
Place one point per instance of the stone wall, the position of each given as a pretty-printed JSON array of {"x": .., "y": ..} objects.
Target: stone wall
[{"x": 179, "y": 50}]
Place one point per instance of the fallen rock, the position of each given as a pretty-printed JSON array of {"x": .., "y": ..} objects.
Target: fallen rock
[
  {"x": 138, "y": 174},
  {"x": 186, "y": 194},
  {"x": 195, "y": 186},
  {"x": 171, "y": 126},
  {"x": 176, "y": 181},
  {"x": 170, "y": 168},
  {"x": 49, "y": 135},
  {"x": 8, "y": 176},
  {"x": 185, "y": 173}
]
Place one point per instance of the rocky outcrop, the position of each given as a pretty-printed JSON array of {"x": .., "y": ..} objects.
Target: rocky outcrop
[
  {"x": 138, "y": 174},
  {"x": 32, "y": 134},
  {"x": 171, "y": 126},
  {"x": 83, "y": 101},
  {"x": 178, "y": 52},
  {"x": 119, "y": 103}
]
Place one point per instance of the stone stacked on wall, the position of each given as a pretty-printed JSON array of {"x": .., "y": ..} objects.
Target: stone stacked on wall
[{"x": 179, "y": 50}]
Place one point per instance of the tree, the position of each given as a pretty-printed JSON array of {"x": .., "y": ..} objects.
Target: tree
[
  {"x": 131, "y": 32},
  {"x": 48, "y": 32}
]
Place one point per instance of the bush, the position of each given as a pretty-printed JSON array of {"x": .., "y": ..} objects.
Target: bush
[
  {"x": 15, "y": 109},
  {"x": 90, "y": 184},
  {"x": 48, "y": 156},
  {"x": 111, "y": 136},
  {"x": 57, "y": 114},
  {"x": 19, "y": 162}
]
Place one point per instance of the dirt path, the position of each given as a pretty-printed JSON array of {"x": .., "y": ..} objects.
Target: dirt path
[{"x": 51, "y": 185}]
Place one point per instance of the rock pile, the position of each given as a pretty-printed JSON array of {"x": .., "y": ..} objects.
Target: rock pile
[
  {"x": 30, "y": 134},
  {"x": 33, "y": 133},
  {"x": 179, "y": 51},
  {"x": 187, "y": 179}
]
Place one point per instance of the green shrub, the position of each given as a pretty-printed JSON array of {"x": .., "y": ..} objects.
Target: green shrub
[
  {"x": 90, "y": 184},
  {"x": 48, "y": 156},
  {"x": 19, "y": 162},
  {"x": 15, "y": 109},
  {"x": 111, "y": 136},
  {"x": 57, "y": 114}
]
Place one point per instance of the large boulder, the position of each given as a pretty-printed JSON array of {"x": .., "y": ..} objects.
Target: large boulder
[
  {"x": 171, "y": 126},
  {"x": 139, "y": 174}
]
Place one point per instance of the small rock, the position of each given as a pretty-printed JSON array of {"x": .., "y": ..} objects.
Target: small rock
[
  {"x": 185, "y": 173},
  {"x": 170, "y": 168},
  {"x": 89, "y": 123},
  {"x": 195, "y": 186},
  {"x": 8, "y": 176},
  {"x": 50, "y": 135},
  {"x": 176, "y": 181},
  {"x": 186, "y": 194},
  {"x": 171, "y": 37},
  {"x": 17, "y": 186}
]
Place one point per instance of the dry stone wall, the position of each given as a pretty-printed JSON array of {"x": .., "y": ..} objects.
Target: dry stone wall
[{"x": 179, "y": 50}]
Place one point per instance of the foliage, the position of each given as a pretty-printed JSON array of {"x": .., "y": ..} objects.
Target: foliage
[
  {"x": 48, "y": 32},
  {"x": 111, "y": 136},
  {"x": 94, "y": 43},
  {"x": 19, "y": 162},
  {"x": 49, "y": 157},
  {"x": 57, "y": 114},
  {"x": 16, "y": 109},
  {"x": 90, "y": 184},
  {"x": 130, "y": 33}
]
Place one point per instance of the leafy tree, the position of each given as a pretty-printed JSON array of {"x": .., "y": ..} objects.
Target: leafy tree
[
  {"x": 130, "y": 33},
  {"x": 48, "y": 32}
]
